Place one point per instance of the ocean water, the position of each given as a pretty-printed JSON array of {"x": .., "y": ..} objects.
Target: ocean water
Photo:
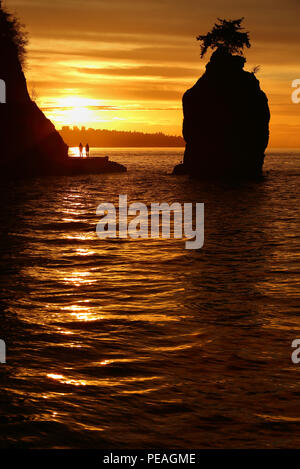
[{"x": 142, "y": 343}]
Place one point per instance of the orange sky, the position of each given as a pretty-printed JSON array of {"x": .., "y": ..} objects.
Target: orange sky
[{"x": 124, "y": 64}]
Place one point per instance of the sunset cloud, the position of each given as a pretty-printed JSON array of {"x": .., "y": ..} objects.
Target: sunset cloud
[{"x": 143, "y": 53}]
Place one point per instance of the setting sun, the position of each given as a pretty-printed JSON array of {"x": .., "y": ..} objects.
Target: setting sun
[
  {"x": 125, "y": 71},
  {"x": 74, "y": 111}
]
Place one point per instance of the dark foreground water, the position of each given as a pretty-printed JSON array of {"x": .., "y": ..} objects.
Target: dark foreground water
[{"x": 140, "y": 344}]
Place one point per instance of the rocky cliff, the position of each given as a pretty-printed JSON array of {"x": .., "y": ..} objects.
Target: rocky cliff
[
  {"x": 226, "y": 121},
  {"x": 29, "y": 142},
  {"x": 30, "y": 145}
]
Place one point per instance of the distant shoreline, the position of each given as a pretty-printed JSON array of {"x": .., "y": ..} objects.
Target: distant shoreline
[
  {"x": 182, "y": 147},
  {"x": 102, "y": 138},
  {"x": 132, "y": 146},
  {"x": 119, "y": 139}
]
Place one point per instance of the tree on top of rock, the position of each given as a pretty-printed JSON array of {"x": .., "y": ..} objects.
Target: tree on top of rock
[
  {"x": 13, "y": 39},
  {"x": 226, "y": 35}
]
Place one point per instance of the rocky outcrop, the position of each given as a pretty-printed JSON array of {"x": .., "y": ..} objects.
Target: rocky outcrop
[
  {"x": 226, "y": 121},
  {"x": 30, "y": 144}
]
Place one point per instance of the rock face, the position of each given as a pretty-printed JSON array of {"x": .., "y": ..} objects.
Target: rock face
[
  {"x": 30, "y": 145},
  {"x": 226, "y": 121},
  {"x": 29, "y": 142}
]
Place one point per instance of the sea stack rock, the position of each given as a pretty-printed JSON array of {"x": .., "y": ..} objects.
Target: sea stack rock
[{"x": 226, "y": 121}]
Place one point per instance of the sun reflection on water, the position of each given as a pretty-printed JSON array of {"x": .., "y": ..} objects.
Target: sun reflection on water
[
  {"x": 79, "y": 278},
  {"x": 101, "y": 382},
  {"x": 83, "y": 313}
]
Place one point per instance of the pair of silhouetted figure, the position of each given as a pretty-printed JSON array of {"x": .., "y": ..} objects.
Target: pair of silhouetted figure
[{"x": 87, "y": 150}]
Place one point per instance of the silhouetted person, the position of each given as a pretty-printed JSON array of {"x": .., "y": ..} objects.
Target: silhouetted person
[
  {"x": 80, "y": 149},
  {"x": 87, "y": 150}
]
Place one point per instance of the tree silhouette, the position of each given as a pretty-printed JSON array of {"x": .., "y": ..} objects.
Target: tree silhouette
[
  {"x": 226, "y": 35},
  {"x": 13, "y": 39}
]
